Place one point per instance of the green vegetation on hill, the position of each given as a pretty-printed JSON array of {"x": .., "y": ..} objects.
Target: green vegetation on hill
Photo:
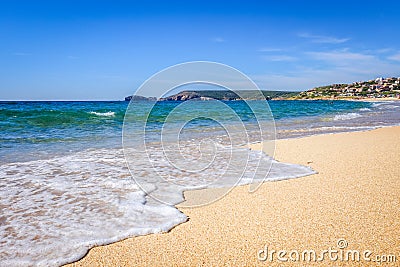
[
  {"x": 219, "y": 95},
  {"x": 228, "y": 95},
  {"x": 245, "y": 94},
  {"x": 378, "y": 88}
]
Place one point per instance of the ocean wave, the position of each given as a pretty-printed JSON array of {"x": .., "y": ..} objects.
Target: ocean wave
[
  {"x": 384, "y": 103},
  {"x": 347, "y": 116},
  {"x": 328, "y": 129},
  {"x": 103, "y": 114},
  {"x": 377, "y": 104},
  {"x": 63, "y": 206},
  {"x": 364, "y": 109},
  {"x": 388, "y": 106}
]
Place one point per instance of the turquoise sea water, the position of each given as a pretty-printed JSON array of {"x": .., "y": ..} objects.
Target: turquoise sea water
[
  {"x": 65, "y": 185},
  {"x": 32, "y": 130}
]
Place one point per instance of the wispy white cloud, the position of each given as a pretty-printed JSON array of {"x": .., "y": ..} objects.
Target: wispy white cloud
[
  {"x": 339, "y": 56},
  {"x": 357, "y": 63},
  {"x": 306, "y": 79},
  {"x": 299, "y": 80},
  {"x": 323, "y": 39},
  {"x": 337, "y": 66},
  {"x": 395, "y": 57},
  {"x": 218, "y": 40},
  {"x": 21, "y": 54},
  {"x": 279, "y": 58},
  {"x": 270, "y": 49},
  {"x": 384, "y": 50}
]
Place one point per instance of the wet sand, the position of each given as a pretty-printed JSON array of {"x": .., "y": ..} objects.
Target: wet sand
[{"x": 355, "y": 196}]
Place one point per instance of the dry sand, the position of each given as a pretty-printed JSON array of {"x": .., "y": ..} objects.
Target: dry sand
[{"x": 355, "y": 196}]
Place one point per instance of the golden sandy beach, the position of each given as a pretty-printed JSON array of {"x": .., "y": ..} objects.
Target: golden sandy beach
[{"x": 355, "y": 196}]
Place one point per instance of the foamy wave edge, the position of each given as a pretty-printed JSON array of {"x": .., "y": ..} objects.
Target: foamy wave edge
[
  {"x": 97, "y": 163},
  {"x": 103, "y": 114},
  {"x": 347, "y": 116}
]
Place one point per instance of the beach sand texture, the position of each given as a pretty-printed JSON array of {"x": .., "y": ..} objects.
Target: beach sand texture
[{"x": 355, "y": 196}]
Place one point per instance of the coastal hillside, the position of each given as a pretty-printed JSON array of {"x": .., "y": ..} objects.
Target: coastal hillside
[
  {"x": 221, "y": 95},
  {"x": 378, "y": 88},
  {"x": 228, "y": 95}
]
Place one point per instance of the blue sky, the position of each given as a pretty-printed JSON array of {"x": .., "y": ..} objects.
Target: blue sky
[{"x": 104, "y": 50}]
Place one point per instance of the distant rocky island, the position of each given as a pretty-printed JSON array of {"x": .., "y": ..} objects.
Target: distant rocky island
[
  {"x": 139, "y": 98},
  {"x": 224, "y": 95},
  {"x": 382, "y": 88}
]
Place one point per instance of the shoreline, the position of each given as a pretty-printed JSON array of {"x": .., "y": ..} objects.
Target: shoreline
[
  {"x": 367, "y": 99},
  {"x": 189, "y": 237}
]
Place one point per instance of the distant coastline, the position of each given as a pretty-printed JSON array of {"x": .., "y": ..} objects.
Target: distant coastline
[
  {"x": 224, "y": 95},
  {"x": 372, "y": 90}
]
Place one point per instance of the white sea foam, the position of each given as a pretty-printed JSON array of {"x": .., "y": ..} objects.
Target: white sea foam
[
  {"x": 389, "y": 106},
  {"x": 383, "y": 104},
  {"x": 54, "y": 210},
  {"x": 364, "y": 109},
  {"x": 347, "y": 116},
  {"x": 103, "y": 114},
  {"x": 329, "y": 129},
  {"x": 377, "y": 104}
]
